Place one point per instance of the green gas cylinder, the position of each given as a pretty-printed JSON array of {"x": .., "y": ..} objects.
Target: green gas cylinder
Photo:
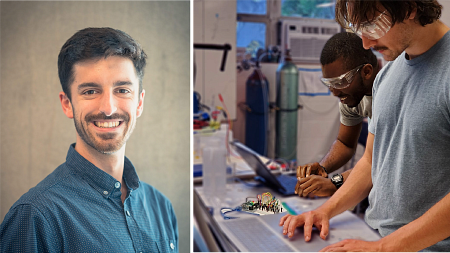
[{"x": 287, "y": 107}]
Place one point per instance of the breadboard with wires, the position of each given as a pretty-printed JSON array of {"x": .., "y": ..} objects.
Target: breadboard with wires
[{"x": 263, "y": 204}]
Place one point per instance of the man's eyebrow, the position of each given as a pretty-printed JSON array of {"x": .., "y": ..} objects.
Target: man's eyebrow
[
  {"x": 123, "y": 83},
  {"x": 88, "y": 85}
]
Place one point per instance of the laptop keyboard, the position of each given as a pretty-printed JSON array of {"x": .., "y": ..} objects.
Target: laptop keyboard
[
  {"x": 288, "y": 182},
  {"x": 255, "y": 236}
]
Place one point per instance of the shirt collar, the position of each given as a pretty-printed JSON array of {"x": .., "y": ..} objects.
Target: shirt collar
[{"x": 97, "y": 178}]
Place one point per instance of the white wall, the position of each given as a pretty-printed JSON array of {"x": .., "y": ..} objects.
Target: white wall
[
  {"x": 35, "y": 134},
  {"x": 445, "y": 17},
  {"x": 215, "y": 23}
]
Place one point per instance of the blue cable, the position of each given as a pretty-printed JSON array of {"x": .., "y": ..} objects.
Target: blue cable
[{"x": 225, "y": 210}]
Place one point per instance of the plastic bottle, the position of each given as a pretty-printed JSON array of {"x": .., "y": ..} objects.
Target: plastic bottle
[{"x": 214, "y": 169}]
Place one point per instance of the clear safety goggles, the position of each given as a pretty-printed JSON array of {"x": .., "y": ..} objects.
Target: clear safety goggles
[
  {"x": 375, "y": 29},
  {"x": 342, "y": 81}
]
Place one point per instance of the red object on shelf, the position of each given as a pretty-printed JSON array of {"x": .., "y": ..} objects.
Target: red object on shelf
[
  {"x": 199, "y": 124},
  {"x": 273, "y": 167},
  {"x": 214, "y": 114}
]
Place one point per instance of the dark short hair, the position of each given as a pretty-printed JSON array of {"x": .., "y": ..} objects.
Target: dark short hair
[
  {"x": 91, "y": 43},
  {"x": 350, "y": 47},
  {"x": 428, "y": 11}
]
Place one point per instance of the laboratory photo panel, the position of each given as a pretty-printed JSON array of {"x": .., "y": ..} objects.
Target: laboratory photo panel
[
  {"x": 94, "y": 126},
  {"x": 321, "y": 125}
]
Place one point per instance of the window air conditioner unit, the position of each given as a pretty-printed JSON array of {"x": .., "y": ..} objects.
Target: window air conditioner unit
[{"x": 306, "y": 37}]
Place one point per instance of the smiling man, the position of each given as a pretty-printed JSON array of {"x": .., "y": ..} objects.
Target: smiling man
[
  {"x": 348, "y": 71},
  {"x": 94, "y": 202}
]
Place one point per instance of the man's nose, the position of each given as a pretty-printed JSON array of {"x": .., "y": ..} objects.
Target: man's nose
[
  {"x": 108, "y": 104},
  {"x": 368, "y": 43}
]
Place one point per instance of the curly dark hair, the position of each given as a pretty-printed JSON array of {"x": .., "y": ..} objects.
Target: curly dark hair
[
  {"x": 350, "y": 47},
  {"x": 91, "y": 43},
  {"x": 428, "y": 11}
]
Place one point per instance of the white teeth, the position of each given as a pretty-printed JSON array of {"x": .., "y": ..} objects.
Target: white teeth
[{"x": 107, "y": 124}]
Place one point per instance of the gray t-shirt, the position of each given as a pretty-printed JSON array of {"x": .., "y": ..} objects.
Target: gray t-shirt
[
  {"x": 411, "y": 149},
  {"x": 354, "y": 116}
]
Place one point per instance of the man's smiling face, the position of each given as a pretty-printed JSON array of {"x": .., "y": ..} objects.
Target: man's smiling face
[
  {"x": 355, "y": 92},
  {"x": 105, "y": 102}
]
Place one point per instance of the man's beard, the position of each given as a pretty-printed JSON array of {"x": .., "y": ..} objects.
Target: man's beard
[{"x": 104, "y": 142}]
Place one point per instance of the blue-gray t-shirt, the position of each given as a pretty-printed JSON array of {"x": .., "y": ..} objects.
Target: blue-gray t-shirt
[
  {"x": 411, "y": 149},
  {"x": 78, "y": 208}
]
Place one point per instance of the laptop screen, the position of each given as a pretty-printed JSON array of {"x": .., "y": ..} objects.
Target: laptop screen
[{"x": 257, "y": 165}]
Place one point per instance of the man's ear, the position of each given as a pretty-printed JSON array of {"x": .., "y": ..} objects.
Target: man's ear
[
  {"x": 413, "y": 13},
  {"x": 140, "y": 107},
  {"x": 367, "y": 71},
  {"x": 66, "y": 105}
]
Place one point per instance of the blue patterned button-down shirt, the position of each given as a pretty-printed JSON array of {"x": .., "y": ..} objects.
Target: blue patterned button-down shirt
[{"x": 77, "y": 208}]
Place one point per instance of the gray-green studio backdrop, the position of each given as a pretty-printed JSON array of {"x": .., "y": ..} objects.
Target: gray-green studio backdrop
[{"x": 35, "y": 134}]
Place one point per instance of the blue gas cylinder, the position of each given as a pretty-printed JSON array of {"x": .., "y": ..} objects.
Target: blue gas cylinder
[{"x": 257, "y": 114}]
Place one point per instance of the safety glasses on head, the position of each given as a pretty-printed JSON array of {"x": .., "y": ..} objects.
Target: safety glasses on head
[
  {"x": 375, "y": 29},
  {"x": 342, "y": 81}
]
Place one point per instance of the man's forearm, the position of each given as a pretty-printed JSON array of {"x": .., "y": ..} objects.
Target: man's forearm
[
  {"x": 345, "y": 174},
  {"x": 343, "y": 148},
  {"x": 338, "y": 155},
  {"x": 354, "y": 190},
  {"x": 356, "y": 187},
  {"x": 429, "y": 229}
]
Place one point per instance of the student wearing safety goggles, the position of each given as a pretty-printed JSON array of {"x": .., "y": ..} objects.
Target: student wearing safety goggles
[
  {"x": 405, "y": 169},
  {"x": 348, "y": 71}
]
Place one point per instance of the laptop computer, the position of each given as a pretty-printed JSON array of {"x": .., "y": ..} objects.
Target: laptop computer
[
  {"x": 263, "y": 234},
  {"x": 248, "y": 233},
  {"x": 282, "y": 183},
  {"x": 210, "y": 238},
  {"x": 251, "y": 233}
]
